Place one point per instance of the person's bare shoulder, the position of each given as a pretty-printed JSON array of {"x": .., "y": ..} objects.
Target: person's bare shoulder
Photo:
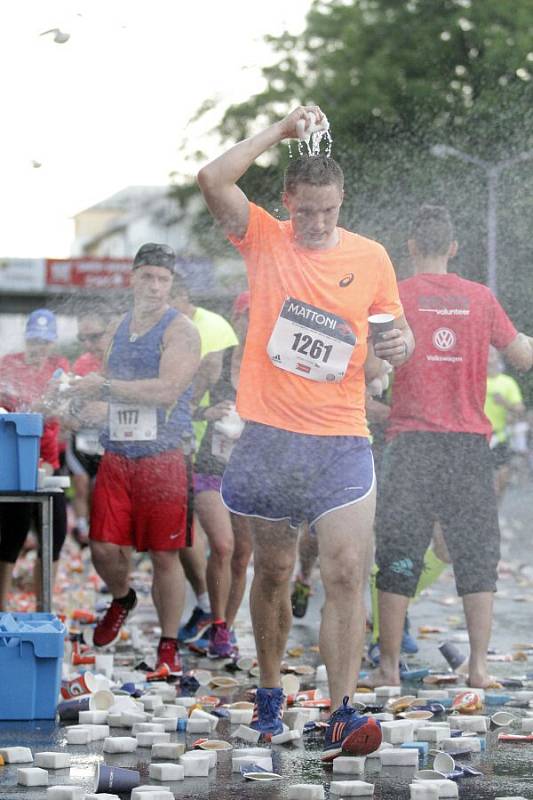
[{"x": 182, "y": 332}]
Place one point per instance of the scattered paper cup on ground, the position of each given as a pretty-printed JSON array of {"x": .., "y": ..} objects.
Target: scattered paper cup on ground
[
  {"x": 116, "y": 779},
  {"x": 443, "y": 762}
]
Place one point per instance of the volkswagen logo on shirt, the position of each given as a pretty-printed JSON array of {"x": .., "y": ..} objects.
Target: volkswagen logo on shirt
[
  {"x": 347, "y": 280},
  {"x": 444, "y": 339}
]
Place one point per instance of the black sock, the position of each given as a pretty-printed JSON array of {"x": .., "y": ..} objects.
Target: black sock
[
  {"x": 128, "y": 601},
  {"x": 167, "y": 639}
]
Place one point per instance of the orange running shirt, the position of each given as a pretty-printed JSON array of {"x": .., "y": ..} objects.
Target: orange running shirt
[{"x": 351, "y": 280}]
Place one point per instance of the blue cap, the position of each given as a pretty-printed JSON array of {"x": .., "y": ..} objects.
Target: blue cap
[{"x": 41, "y": 324}]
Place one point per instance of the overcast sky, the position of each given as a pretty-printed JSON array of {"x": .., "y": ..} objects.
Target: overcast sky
[{"x": 110, "y": 107}]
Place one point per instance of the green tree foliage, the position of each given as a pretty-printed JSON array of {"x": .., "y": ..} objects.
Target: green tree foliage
[{"x": 394, "y": 78}]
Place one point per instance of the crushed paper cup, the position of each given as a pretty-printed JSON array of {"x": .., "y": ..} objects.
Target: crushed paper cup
[
  {"x": 429, "y": 775},
  {"x": 76, "y": 687},
  {"x": 159, "y": 674},
  {"x": 224, "y": 682},
  {"x": 123, "y": 702},
  {"x": 503, "y": 718},
  {"x": 214, "y": 744},
  {"x": 397, "y": 704},
  {"x": 433, "y": 680},
  {"x": 207, "y": 700},
  {"x": 253, "y": 772},
  {"x": 467, "y": 702},
  {"x": 116, "y": 779},
  {"x": 322, "y": 702},
  {"x": 203, "y": 676},
  {"x": 443, "y": 762},
  {"x": 290, "y": 685},
  {"x": 84, "y": 616},
  {"x": 97, "y": 683},
  {"x": 102, "y": 700},
  {"x": 304, "y": 669},
  {"x": 515, "y": 738},
  {"x": 70, "y": 709},
  {"x": 419, "y": 714},
  {"x": 245, "y": 664}
]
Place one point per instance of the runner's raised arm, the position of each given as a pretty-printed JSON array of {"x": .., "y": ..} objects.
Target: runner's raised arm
[{"x": 218, "y": 180}]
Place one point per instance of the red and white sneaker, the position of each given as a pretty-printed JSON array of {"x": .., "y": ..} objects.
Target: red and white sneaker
[
  {"x": 107, "y": 630},
  {"x": 169, "y": 654}
]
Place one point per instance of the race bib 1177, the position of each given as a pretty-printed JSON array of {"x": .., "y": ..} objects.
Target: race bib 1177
[
  {"x": 131, "y": 423},
  {"x": 311, "y": 342}
]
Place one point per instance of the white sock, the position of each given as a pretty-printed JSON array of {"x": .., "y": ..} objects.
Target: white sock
[{"x": 202, "y": 601}]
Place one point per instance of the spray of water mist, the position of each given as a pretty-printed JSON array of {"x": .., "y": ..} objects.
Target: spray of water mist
[{"x": 311, "y": 134}]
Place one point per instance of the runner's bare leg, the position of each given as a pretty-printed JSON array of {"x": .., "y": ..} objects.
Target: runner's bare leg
[
  {"x": 112, "y": 563},
  {"x": 168, "y": 590},
  {"x": 392, "y": 611},
  {"x": 239, "y": 565},
  {"x": 194, "y": 561},
  {"x": 345, "y": 537},
  {"x": 215, "y": 520},
  {"x": 270, "y": 603},
  {"x": 478, "y": 613}
]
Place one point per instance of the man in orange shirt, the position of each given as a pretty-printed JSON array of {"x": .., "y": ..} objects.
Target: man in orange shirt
[{"x": 304, "y": 453}]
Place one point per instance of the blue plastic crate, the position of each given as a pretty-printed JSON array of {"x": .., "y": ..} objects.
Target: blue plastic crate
[
  {"x": 19, "y": 451},
  {"x": 30, "y": 665}
]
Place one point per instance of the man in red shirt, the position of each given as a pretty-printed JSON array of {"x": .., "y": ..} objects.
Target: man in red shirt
[
  {"x": 437, "y": 466},
  {"x": 24, "y": 380}
]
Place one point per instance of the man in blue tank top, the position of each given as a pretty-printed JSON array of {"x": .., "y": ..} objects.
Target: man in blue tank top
[{"x": 141, "y": 496}]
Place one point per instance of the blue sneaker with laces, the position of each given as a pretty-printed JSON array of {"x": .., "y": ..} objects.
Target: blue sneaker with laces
[
  {"x": 268, "y": 708},
  {"x": 196, "y": 625},
  {"x": 351, "y": 733}
]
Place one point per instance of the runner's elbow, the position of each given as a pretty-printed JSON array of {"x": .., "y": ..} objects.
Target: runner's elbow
[{"x": 205, "y": 177}]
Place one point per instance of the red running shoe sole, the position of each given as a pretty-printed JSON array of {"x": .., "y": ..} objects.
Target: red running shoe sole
[{"x": 363, "y": 740}]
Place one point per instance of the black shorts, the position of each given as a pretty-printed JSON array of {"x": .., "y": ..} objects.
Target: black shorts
[
  {"x": 444, "y": 477},
  {"x": 80, "y": 463},
  {"x": 15, "y": 522},
  {"x": 500, "y": 455}
]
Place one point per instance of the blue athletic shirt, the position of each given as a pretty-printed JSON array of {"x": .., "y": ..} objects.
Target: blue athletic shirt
[{"x": 139, "y": 360}]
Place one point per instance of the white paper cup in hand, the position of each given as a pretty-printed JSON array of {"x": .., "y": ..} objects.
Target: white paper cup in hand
[{"x": 380, "y": 324}]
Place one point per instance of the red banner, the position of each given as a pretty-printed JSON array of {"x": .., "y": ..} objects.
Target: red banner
[{"x": 88, "y": 273}]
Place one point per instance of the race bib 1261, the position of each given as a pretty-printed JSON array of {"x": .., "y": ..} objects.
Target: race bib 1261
[
  {"x": 311, "y": 342},
  {"x": 132, "y": 423}
]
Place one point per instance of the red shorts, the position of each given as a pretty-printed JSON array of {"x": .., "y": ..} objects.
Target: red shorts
[{"x": 143, "y": 502}]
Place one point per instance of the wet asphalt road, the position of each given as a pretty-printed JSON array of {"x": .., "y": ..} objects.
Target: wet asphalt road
[{"x": 507, "y": 769}]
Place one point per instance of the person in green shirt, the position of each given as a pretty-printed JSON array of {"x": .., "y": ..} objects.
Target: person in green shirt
[
  {"x": 216, "y": 335},
  {"x": 503, "y": 406}
]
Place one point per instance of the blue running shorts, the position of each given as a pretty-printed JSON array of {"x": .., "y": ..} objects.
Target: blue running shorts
[{"x": 276, "y": 474}]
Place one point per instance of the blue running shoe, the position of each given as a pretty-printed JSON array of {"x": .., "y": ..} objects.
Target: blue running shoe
[
  {"x": 409, "y": 644},
  {"x": 196, "y": 625},
  {"x": 349, "y": 732},
  {"x": 268, "y": 708},
  {"x": 201, "y": 645}
]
